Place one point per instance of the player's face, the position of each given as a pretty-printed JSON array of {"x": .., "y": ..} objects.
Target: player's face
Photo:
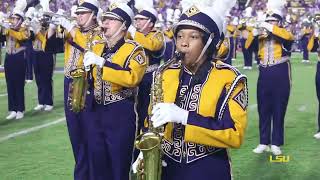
[
  {"x": 111, "y": 26},
  {"x": 140, "y": 23},
  {"x": 83, "y": 18},
  {"x": 16, "y": 20},
  {"x": 273, "y": 22},
  {"x": 190, "y": 43}
]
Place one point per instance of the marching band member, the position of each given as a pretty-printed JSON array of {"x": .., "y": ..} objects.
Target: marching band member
[
  {"x": 118, "y": 72},
  {"x": 2, "y": 40},
  {"x": 274, "y": 82},
  {"x": 205, "y": 101},
  {"x": 153, "y": 42},
  {"x": 230, "y": 40},
  {"x": 2, "y": 36},
  {"x": 43, "y": 66},
  {"x": 306, "y": 34},
  {"x": 169, "y": 42},
  {"x": 77, "y": 39},
  {"x": 28, "y": 45},
  {"x": 15, "y": 61},
  {"x": 246, "y": 39},
  {"x": 314, "y": 44}
]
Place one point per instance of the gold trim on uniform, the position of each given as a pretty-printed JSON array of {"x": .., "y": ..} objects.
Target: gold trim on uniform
[
  {"x": 178, "y": 149},
  {"x": 11, "y": 46},
  {"x": 103, "y": 89},
  {"x": 72, "y": 61},
  {"x": 37, "y": 45}
]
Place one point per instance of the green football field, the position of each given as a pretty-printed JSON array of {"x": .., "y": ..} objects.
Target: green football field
[{"x": 38, "y": 147}]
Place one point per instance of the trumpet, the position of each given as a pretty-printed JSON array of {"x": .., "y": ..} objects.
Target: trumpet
[
  {"x": 5, "y": 21},
  {"x": 51, "y": 14},
  {"x": 316, "y": 19}
]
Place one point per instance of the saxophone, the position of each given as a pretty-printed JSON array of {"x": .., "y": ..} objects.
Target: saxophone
[
  {"x": 79, "y": 86},
  {"x": 149, "y": 142}
]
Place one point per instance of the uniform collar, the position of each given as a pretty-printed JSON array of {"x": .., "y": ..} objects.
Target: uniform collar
[
  {"x": 86, "y": 29},
  {"x": 116, "y": 46},
  {"x": 201, "y": 75}
]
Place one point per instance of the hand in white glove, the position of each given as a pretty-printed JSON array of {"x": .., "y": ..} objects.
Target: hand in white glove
[
  {"x": 36, "y": 26},
  {"x": 134, "y": 166},
  {"x": 255, "y": 32},
  {"x": 5, "y": 25},
  {"x": 60, "y": 12},
  {"x": 168, "y": 112},
  {"x": 54, "y": 22},
  {"x": 65, "y": 23},
  {"x": 316, "y": 31},
  {"x": 91, "y": 58},
  {"x": 267, "y": 26},
  {"x": 132, "y": 30}
]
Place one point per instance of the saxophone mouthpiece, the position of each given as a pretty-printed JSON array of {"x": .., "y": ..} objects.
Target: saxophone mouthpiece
[{"x": 179, "y": 55}]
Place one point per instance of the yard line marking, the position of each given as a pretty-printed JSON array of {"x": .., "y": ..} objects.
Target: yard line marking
[
  {"x": 29, "y": 130},
  {"x": 2, "y": 95},
  {"x": 37, "y": 128},
  {"x": 252, "y": 106},
  {"x": 302, "y": 108}
]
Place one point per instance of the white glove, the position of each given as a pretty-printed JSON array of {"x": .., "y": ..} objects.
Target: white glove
[
  {"x": 132, "y": 30},
  {"x": 163, "y": 113},
  {"x": 316, "y": 32},
  {"x": 134, "y": 166},
  {"x": 65, "y": 23},
  {"x": 267, "y": 26},
  {"x": 53, "y": 25},
  {"x": 255, "y": 32},
  {"x": 5, "y": 25},
  {"x": 60, "y": 12},
  {"x": 91, "y": 58},
  {"x": 36, "y": 26}
]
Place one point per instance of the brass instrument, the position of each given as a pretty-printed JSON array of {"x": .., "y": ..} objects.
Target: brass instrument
[
  {"x": 149, "y": 143},
  {"x": 79, "y": 86},
  {"x": 77, "y": 90},
  {"x": 316, "y": 19},
  {"x": 51, "y": 14},
  {"x": 6, "y": 21}
]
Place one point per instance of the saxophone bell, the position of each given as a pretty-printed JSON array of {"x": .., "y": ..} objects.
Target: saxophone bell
[
  {"x": 77, "y": 90},
  {"x": 149, "y": 143}
]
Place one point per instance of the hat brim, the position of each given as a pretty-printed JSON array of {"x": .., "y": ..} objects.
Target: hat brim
[
  {"x": 82, "y": 10},
  {"x": 112, "y": 16},
  {"x": 271, "y": 18},
  {"x": 139, "y": 16},
  {"x": 190, "y": 23}
]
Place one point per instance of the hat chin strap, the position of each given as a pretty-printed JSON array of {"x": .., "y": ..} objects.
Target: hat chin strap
[
  {"x": 90, "y": 18},
  {"x": 145, "y": 25},
  {"x": 116, "y": 34},
  {"x": 17, "y": 24},
  {"x": 204, "y": 49}
]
